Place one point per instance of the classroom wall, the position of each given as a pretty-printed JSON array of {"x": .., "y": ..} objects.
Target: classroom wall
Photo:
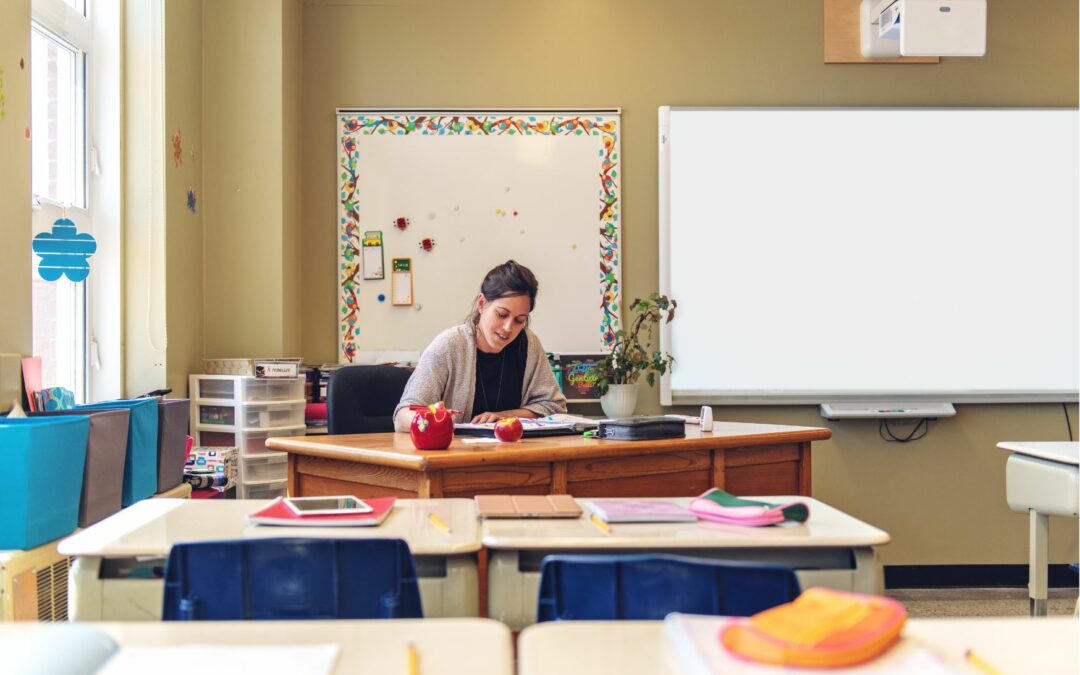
[
  {"x": 251, "y": 201},
  {"x": 16, "y": 335},
  {"x": 184, "y": 280},
  {"x": 942, "y": 498}
]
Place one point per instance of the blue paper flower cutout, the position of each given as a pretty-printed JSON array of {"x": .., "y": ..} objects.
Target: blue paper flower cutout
[{"x": 64, "y": 252}]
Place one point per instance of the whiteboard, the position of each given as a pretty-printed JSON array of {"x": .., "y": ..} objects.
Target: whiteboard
[
  {"x": 854, "y": 254},
  {"x": 541, "y": 188}
]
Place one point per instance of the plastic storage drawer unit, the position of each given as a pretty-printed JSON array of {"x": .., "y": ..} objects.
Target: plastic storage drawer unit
[
  {"x": 44, "y": 458},
  {"x": 268, "y": 415},
  {"x": 253, "y": 443}
]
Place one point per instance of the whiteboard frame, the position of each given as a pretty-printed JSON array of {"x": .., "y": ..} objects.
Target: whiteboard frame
[
  {"x": 793, "y": 396},
  {"x": 609, "y": 216}
]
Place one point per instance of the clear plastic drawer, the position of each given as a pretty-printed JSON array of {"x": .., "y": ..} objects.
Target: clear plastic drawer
[
  {"x": 271, "y": 415},
  {"x": 254, "y": 442},
  {"x": 260, "y": 469}
]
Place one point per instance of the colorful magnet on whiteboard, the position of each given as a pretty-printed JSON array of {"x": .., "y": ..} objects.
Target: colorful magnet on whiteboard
[
  {"x": 382, "y": 297},
  {"x": 401, "y": 223},
  {"x": 427, "y": 243},
  {"x": 515, "y": 214},
  {"x": 177, "y": 148},
  {"x": 191, "y": 200},
  {"x": 64, "y": 252}
]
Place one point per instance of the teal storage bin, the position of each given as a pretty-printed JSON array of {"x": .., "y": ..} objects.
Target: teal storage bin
[
  {"x": 44, "y": 459},
  {"x": 141, "y": 461}
]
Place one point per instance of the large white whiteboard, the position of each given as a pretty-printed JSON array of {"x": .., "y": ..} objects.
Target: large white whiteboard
[
  {"x": 832, "y": 254},
  {"x": 540, "y": 188}
]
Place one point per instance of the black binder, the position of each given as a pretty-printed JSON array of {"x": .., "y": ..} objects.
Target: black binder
[{"x": 641, "y": 428}]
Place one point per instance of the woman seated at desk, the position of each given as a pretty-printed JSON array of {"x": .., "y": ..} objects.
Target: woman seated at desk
[{"x": 492, "y": 366}]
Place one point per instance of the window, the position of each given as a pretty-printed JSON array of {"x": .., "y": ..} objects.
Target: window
[{"x": 58, "y": 64}]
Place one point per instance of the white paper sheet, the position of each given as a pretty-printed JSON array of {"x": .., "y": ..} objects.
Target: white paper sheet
[{"x": 262, "y": 659}]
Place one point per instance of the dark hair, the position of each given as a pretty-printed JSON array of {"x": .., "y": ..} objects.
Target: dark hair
[{"x": 507, "y": 280}]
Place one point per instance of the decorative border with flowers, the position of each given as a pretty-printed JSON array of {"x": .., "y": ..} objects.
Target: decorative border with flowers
[{"x": 352, "y": 125}]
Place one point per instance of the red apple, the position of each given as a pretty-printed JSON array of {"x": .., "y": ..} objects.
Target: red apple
[
  {"x": 509, "y": 430},
  {"x": 432, "y": 427}
]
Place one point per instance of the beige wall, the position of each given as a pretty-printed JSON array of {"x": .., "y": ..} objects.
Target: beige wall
[
  {"x": 16, "y": 335},
  {"x": 292, "y": 58},
  {"x": 184, "y": 229},
  {"x": 942, "y": 498},
  {"x": 244, "y": 222}
]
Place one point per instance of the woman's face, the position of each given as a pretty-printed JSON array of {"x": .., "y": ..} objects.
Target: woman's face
[{"x": 501, "y": 320}]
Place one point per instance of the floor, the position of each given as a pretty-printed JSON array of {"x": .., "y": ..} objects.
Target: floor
[{"x": 953, "y": 602}]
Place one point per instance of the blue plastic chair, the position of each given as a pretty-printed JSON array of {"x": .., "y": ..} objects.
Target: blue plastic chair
[
  {"x": 255, "y": 579},
  {"x": 648, "y": 587}
]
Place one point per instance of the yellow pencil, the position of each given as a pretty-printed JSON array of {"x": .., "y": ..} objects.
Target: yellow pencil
[
  {"x": 439, "y": 523},
  {"x": 412, "y": 660},
  {"x": 977, "y": 661},
  {"x": 604, "y": 527}
]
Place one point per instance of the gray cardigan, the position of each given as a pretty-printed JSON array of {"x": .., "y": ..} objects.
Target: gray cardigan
[{"x": 447, "y": 372}]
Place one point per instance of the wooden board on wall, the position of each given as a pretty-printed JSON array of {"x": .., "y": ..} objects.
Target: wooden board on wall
[{"x": 842, "y": 40}]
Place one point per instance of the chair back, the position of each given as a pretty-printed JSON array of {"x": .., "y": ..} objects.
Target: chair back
[
  {"x": 361, "y": 399},
  {"x": 296, "y": 578},
  {"x": 648, "y": 587}
]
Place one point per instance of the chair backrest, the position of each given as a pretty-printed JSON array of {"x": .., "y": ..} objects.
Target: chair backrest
[
  {"x": 648, "y": 587},
  {"x": 291, "y": 579},
  {"x": 361, "y": 399}
]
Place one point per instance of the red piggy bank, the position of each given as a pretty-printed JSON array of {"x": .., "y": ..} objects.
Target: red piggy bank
[
  {"x": 432, "y": 427},
  {"x": 508, "y": 429}
]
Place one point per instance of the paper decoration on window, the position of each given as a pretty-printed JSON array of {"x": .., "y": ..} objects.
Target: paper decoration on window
[
  {"x": 191, "y": 200},
  {"x": 177, "y": 148},
  {"x": 64, "y": 252},
  {"x": 401, "y": 281},
  {"x": 372, "y": 247},
  {"x": 401, "y": 223},
  {"x": 426, "y": 244}
]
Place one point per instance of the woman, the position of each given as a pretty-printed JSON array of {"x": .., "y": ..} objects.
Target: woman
[{"x": 492, "y": 366}]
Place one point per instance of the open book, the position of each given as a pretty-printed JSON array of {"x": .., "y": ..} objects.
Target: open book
[{"x": 552, "y": 425}]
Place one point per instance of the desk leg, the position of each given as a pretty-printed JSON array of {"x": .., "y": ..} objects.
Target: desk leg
[
  {"x": 1038, "y": 539},
  {"x": 294, "y": 477},
  {"x": 805, "y": 485},
  {"x": 482, "y": 581}
]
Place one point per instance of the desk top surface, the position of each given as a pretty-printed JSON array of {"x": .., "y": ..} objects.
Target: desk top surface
[
  {"x": 396, "y": 449},
  {"x": 151, "y": 527},
  {"x": 451, "y": 646},
  {"x": 826, "y": 527},
  {"x": 1012, "y": 645},
  {"x": 1054, "y": 451}
]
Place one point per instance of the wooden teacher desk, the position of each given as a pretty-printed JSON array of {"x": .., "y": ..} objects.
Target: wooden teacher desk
[{"x": 761, "y": 459}]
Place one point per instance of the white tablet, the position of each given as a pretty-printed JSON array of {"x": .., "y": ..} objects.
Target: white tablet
[{"x": 321, "y": 506}]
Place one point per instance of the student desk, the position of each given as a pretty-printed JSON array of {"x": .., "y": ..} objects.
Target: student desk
[
  {"x": 1012, "y": 645},
  {"x": 741, "y": 458},
  {"x": 451, "y": 646},
  {"x": 1042, "y": 479},
  {"x": 831, "y": 549},
  {"x": 117, "y": 574}
]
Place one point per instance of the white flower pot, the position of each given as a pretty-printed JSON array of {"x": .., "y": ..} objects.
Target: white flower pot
[{"x": 620, "y": 400}]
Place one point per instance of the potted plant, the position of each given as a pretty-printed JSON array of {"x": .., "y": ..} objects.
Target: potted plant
[{"x": 632, "y": 354}]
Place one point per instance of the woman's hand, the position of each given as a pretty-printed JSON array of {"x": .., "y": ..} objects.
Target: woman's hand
[{"x": 484, "y": 418}]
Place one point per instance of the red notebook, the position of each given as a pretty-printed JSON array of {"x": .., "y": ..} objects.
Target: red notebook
[{"x": 278, "y": 513}]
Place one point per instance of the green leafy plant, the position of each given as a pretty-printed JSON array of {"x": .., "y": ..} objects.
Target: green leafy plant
[{"x": 633, "y": 353}]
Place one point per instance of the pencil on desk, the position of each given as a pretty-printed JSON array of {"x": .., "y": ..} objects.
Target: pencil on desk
[
  {"x": 604, "y": 527},
  {"x": 412, "y": 662},
  {"x": 439, "y": 523},
  {"x": 977, "y": 661}
]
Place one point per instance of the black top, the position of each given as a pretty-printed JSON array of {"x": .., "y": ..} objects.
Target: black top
[{"x": 500, "y": 378}]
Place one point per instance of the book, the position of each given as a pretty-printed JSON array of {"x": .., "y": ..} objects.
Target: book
[
  {"x": 639, "y": 511},
  {"x": 532, "y": 428},
  {"x": 278, "y": 513}
]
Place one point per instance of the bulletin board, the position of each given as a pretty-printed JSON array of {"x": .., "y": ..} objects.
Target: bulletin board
[{"x": 429, "y": 201}]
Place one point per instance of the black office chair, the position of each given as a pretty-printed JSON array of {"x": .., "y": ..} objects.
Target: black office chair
[{"x": 361, "y": 399}]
